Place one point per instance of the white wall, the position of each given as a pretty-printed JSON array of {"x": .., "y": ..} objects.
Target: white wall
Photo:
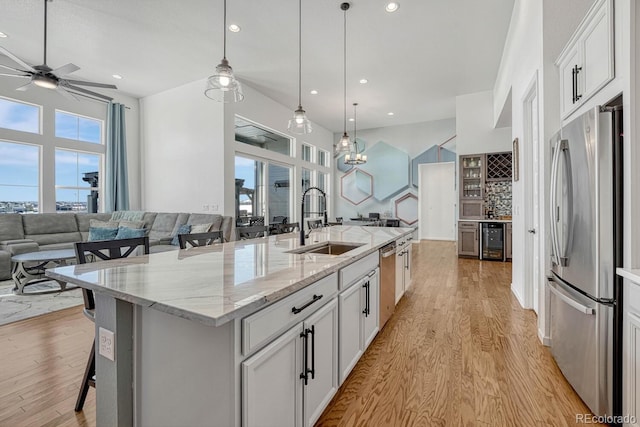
[
  {"x": 51, "y": 101},
  {"x": 189, "y": 146},
  {"x": 474, "y": 125}
]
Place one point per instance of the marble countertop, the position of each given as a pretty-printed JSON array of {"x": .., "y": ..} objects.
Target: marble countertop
[
  {"x": 632, "y": 274},
  {"x": 218, "y": 283}
]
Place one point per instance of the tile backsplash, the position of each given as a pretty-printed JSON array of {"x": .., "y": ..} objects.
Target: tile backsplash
[{"x": 497, "y": 200}]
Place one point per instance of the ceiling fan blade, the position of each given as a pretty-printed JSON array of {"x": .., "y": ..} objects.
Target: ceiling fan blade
[
  {"x": 65, "y": 69},
  {"x": 15, "y": 75},
  {"x": 67, "y": 94},
  {"x": 82, "y": 91},
  {"x": 24, "y": 87},
  {"x": 13, "y": 69},
  {"x": 15, "y": 59},
  {"x": 93, "y": 84}
]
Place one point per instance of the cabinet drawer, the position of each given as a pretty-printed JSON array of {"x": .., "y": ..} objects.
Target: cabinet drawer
[
  {"x": 468, "y": 225},
  {"x": 355, "y": 271},
  {"x": 266, "y": 324}
]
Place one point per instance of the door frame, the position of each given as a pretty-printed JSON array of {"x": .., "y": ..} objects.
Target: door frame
[{"x": 532, "y": 288}]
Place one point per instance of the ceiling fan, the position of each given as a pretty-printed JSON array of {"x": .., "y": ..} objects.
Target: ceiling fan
[{"x": 46, "y": 77}]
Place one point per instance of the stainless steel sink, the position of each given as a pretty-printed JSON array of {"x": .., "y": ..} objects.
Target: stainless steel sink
[{"x": 328, "y": 248}]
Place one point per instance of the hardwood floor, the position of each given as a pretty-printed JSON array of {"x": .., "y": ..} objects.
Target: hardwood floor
[{"x": 459, "y": 350}]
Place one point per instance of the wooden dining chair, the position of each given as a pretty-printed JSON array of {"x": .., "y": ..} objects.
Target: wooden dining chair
[
  {"x": 100, "y": 250},
  {"x": 199, "y": 239},
  {"x": 252, "y": 232}
]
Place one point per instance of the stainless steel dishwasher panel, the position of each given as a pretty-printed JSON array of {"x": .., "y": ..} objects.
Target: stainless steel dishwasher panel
[{"x": 387, "y": 282}]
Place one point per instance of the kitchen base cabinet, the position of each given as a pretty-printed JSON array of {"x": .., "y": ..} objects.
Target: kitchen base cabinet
[
  {"x": 359, "y": 315},
  {"x": 403, "y": 267},
  {"x": 291, "y": 381},
  {"x": 468, "y": 239}
]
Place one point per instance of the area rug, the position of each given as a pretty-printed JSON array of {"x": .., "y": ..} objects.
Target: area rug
[{"x": 44, "y": 297}]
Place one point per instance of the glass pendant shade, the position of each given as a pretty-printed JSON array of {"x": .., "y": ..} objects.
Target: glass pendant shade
[
  {"x": 222, "y": 86},
  {"x": 353, "y": 157},
  {"x": 344, "y": 145},
  {"x": 299, "y": 124}
]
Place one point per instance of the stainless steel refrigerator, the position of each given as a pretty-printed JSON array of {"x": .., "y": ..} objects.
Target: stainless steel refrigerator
[{"x": 586, "y": 234}]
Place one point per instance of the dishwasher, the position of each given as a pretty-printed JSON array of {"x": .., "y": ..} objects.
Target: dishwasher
[{"x": 387, "y": 282}]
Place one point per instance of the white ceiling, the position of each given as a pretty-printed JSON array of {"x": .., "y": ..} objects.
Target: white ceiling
[{"x": 416, "y": 59}]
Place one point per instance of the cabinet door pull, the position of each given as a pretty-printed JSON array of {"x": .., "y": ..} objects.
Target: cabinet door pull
[
  {"x": 366, "y": 310},
  {"x": 305, "y": 371},
  {"x": 573, "y": 84},
  {"x": 314, "y": 299},
  {"x": 578, "y": 95},
  {"x": 312, "y": 371}
]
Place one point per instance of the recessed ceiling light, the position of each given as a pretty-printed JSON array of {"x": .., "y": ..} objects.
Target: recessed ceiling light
[
  {"x": 364, "y": 81},
  {"x": 117, "y": 76},
  {"x": 352, "y": 119},
  {"x": 390, "y": 113},
  {"x": 314, "y": 92},
  {"x": 392, "y": 6},
  {"x": 3, "y": 35},
  {"x": 234, "y": 28}
]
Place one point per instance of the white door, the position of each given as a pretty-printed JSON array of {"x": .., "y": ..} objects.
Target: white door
[
  {"x": 271, "y": 384},
  {"x": 351, "y": 348},
  {"x": 532, "y": 206},
  {"x": 370, "y": 304},
  {"x": 322, "y": 360},
  {"x": 437, "y": 201}
]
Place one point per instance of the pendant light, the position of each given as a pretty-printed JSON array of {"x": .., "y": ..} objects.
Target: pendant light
[
  {"x": 344, "y": 145},
  {"x": 222, "y": 86},
  {"x": 299, "y": 124},
  {"x": 354, "y": 157}
]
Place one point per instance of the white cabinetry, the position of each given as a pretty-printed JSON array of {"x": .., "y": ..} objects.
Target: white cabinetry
[
  {"x": 631, "y": 353},
  {"x": 291, "y": 381},
  {"x": 359, "y": 315},
  {"x": 403, "y": 267},
  {"x": 586, "y": 64}
]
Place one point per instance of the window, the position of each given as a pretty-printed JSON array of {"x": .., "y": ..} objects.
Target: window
[
  {"x": 322, "y": 184},
  {"x": 76, "y": 181},
  {"x": 306, "y": 152},
  {"x": 251, "y": 134},
  {"x": 249, "y": 189},
  {"x": 279, "y": 192},
  {"x": 79, "y": 128},
  {"x": 20, "y": 116},
  {"x": 19, "y": 177},
  {"x": 323, "y": 158}
]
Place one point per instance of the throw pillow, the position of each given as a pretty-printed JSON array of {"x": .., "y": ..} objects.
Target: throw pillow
[
  {"x": 183, "y": 229},
  {"x": 129, "y": 233},
  {"x": 102, "y": 233},
  {"x": 200, "y": 228},
  {"x": 96, "y": 223}
]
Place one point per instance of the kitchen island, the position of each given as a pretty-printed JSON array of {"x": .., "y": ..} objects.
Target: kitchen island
[{"x": 202, "y": 334}]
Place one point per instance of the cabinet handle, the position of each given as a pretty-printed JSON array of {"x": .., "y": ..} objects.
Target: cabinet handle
[
  {"x": 314, "y": 299},
  {"x": 573, "y": 84},
  {"x": 366, "y": 310},
  {"x": 305, "y": 371},
  {"x": 406, "y": 263},
  {"x": 312, "y": 371},
  {"x": 578, "y": 95}
]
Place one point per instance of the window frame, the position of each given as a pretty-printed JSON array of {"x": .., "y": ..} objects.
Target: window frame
[
  {"x": 40, "y": 116},
  {"x": 102, "y": 127}
]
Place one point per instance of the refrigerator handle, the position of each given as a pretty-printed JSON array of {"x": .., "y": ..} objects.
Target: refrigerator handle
[
  {"x": 570, "y": 301},
  {"x": 563, "y": 250},
  {"x": 553, "y": 202}
]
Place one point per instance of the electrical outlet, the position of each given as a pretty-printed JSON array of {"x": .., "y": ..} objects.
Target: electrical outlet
[
  {"x": 107, "y": 344},
  {"x": 214, "y": 208},
  {"x": 205, "y": 208}
]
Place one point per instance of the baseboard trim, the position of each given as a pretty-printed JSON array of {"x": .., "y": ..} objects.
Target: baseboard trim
[
  {"x": 518, "y": 296},
  {"x": 545, "y": 340}
]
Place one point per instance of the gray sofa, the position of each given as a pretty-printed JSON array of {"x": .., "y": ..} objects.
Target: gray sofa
[{"x": 21, "y": 233}]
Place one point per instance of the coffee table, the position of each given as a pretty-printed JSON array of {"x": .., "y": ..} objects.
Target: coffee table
[{"x": 29, "y": 268}]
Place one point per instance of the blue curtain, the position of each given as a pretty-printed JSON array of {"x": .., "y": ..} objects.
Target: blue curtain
[{"x": 116, "y": 182}]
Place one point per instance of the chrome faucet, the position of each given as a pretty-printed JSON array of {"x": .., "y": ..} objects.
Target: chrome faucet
[{"x": 324, "y": 196}]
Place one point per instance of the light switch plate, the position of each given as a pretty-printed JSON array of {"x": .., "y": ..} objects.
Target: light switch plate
[{"x": 106, "y": 338}]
